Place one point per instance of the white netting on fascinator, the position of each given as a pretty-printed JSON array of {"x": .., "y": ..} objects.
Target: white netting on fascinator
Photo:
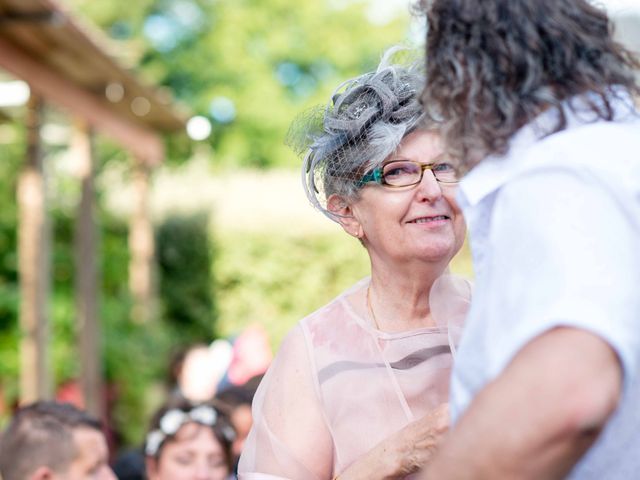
[{"x": 363, "y": 124}]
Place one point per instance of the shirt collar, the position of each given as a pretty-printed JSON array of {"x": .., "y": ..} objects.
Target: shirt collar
[{"x": 495, "y": 170}]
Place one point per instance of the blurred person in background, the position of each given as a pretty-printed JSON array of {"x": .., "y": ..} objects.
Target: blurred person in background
[
  {"x": 236, "y": 400},
  {"x": 189, "y": 442},
  {"x": 359, "y": 388},
  {"x": 536, "y": 100},
  {"x": 251, "y": 356},
  {"x": 194, "y": 375},
  {"x": 129, "y": 465},
  {"x": 195, "y": 372},
  {"x": 54, "y": 441}
]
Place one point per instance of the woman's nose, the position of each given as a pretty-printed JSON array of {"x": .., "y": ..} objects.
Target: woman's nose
[
  {"x": 201, "y": 471},
  {"x": 203, "y": 474},
  {"x": 429, "y": 188}
]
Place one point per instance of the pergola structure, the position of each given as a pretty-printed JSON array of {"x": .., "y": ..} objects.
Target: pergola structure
[{"x": 67, "y": 65}]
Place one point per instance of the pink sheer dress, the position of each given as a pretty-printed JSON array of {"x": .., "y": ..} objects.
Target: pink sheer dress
[{"x": 338, "y": 387}]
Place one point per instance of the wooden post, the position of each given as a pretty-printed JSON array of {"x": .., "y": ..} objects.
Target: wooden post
[
  {"x": 141, "y": 246},
  {"x": 33, "y": 246},
  {"x": 87, "y": 275}
]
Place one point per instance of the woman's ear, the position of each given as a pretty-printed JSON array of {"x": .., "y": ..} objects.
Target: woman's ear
[{"x": 344, "y": 215}]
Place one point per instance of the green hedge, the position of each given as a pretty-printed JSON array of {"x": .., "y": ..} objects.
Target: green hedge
[
  {"x": 184, "y": 253},
  {"x": 275, "y": 279}
]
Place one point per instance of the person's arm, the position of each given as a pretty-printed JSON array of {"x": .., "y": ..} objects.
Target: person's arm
[
  {"x": 538, "y": 417},
  {"x": 403, "y": 453},
  {"x": 289, "y": 439}
]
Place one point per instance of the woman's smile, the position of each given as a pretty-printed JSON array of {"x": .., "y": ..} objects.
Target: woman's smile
[{"x": 431, "y": 220}]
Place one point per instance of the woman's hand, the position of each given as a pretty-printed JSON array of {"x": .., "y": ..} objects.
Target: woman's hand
[
  {"x": 416, "y": 443},
  {"x": 404, "y": 452}
]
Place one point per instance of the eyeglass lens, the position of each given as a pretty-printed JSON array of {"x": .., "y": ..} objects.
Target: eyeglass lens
[{"x": 404, "y": 173}]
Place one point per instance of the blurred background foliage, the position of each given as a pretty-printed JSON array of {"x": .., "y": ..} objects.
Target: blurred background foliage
[{"x": 249, "y": 66}]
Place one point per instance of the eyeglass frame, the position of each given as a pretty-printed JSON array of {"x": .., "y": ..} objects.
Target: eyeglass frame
[{"x": 375, "y": 175}]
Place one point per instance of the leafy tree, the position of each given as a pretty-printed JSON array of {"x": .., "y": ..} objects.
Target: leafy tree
[
  {"x": 9, "y": 291},
  {"x": 249, "y": 65}
]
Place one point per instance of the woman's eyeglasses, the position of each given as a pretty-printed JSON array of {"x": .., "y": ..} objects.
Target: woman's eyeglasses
[{"x": 404, "y": 173}]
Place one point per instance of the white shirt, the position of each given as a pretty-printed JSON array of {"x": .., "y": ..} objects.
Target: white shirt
[{"x": 555, "y": 236}]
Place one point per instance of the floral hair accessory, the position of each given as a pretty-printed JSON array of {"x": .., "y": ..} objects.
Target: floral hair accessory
[
  {"x": 174, "y": 419},
  {"x": 363, "y": 123}
]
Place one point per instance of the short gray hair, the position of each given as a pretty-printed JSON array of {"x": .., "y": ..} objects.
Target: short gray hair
[
  {"x": 364, "y": 122},
  {"x": 41, "y": 434}
]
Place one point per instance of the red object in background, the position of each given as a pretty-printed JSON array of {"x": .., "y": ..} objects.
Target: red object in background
[
  {"x": 251, "y": 355},
  {"x": 71, "y": 392}
]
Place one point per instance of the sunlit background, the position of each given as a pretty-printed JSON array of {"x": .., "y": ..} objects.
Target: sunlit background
[{"x": 236, "y": 242}]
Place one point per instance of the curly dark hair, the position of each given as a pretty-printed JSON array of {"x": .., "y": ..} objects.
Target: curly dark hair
[{"x": 493, "y": 65}]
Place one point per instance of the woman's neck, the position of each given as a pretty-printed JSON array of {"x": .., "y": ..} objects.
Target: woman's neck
[{"x": 398, "y": 297}]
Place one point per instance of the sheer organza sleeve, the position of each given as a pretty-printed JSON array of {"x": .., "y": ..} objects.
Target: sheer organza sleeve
[{"x": 289, "y": 438}]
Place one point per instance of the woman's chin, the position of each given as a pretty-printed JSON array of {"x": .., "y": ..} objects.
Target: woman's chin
[{"x": 436, "y": 254}]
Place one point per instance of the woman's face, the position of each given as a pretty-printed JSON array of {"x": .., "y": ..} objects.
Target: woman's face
[
  {"x": 420, "y": 222},
  {"x": 193, "y": 454}
]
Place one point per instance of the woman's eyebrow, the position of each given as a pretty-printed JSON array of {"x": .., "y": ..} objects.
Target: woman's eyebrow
[
  {"x": 437, "y": 159},
  {"x": 397, "y": 159}
]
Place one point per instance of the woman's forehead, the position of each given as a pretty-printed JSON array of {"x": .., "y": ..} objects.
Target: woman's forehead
[
  {"x": 421, "y": 146},
  {"x": 192, "y": 430}
]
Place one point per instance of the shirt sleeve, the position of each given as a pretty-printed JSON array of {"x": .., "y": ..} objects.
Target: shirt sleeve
[
  {"x": 566, "y": 254},
  {"x": 289, "y": 438}
]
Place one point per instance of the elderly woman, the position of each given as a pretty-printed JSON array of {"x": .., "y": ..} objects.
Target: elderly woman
[
  {"x": 189, "y": 442},
  {"x": 358, "y": 388}
]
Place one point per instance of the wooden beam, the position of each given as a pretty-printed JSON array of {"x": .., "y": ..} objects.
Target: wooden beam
[
  {"x": 33, "y": 247},
  {"x": 86, "y": 287},
  {"x": 142, "y": 247},
  {"x": 142, "y": 142}
]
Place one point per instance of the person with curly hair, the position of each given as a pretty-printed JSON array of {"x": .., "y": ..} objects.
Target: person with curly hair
[
  {"x": 536, "y": 102},
  {"x": 359, "y": 387}
]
